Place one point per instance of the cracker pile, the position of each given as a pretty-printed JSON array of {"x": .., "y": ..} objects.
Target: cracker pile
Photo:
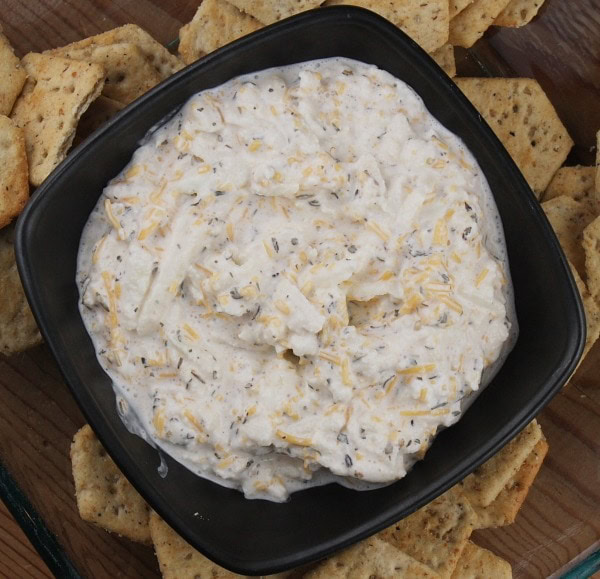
[{"x": 432, "y": 543}]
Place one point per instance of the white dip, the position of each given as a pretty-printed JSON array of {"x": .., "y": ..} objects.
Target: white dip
[{"x": 302, "y": 271}]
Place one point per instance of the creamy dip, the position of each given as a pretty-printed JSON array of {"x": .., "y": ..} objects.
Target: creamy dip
[{"x": 297, "y": 279}]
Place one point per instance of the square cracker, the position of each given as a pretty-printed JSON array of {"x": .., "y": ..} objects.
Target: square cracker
[
  {"x": 444, "y": 56},
  {"x": 469, "y": 25},
  {"x": 371, "y": 558},
  {"x": 179, "y": 560},
  {"x": 484, "y": 484},
  {"x": 12, "y": 76},
  {"x": 568, "y": 219},
  {"x": 426, "y": 22},
  {"x": 56, "y": 94},
  {"x": 215, "y": 24},
  {"x": 128, "y": 74},
  {"x": 18, "y": 330},
  {"x": 457, "y": 6},
  {"x": 504, "y": 508},
  {"x": 267, "y": 11},
  {"x": 436, "y": 534},
  {"x": 164, "y": 63},
  {"x": 519, "y": 112},
  {"x": 479, "y": 563},
  {"x": 576, "y": 182},
  {"x": 518, "y": 13},
  {"x": 104, "y": 496},
  {"x": 592, "y": 313},
  {"x": 14, "y": 179}
]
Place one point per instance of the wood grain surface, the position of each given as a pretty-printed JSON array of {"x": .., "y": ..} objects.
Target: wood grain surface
[{"x": 38, "y": 417}]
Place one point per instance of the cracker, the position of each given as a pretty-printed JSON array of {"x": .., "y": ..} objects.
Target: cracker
[
  {"x": 18, "y": 330},
  {"x": 104, "y": 496},
  {"x": 504, "y": 508},
  {"x": 371, "y": 558},
  {"x": 469, "y": 25},
  {"x": 457, "y": 6},
  {"x": 128, "y": 74},
  {"x": 444, "y": 56},
  {"x": 575, "y": 182},
  {"x": 12, "y": 76},
  {"x": 215, "y": 24},
  {"x": 164, "y": 63},
  {"x": 518, "y": 13},
  {"x": 592, "y": 313},
  {"x": 100, "y": 111},
  {"x": 56, "y": 94},
  {"x": 519, "y": 112},
  {"x": 483, "y": 485},
  {"x": 479, "y": 563},
  {"x": 14, "y": 180},
  {"x": 436, "y": 534},
  {"x": 568, "y": 219},
  {"x": 426, "y": 22},
  {"x": 267, "y": 11},
  {"x": 179, "y": 560},
  {"x": 591, "y": 247}
]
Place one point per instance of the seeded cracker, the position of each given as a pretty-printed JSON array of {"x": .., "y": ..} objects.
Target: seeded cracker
[
  {"x": 523, "y": 118},
  {"x": 518, "y": 13},
  {"x": 457, "y": 6},
  {"x": 12, "y": 74},
  {"x": 436, "y": 534},
  {"x": 215, "y": 24},
  {"x": 179, "y": 560},
  {"x": 104, "y": 496},
  {"x": 14, "y": 182},
  {"x": 591, "y": 246},
  {"x": 18, "y": 330},
  {"x": 56, "y": 94},
  {"x": 479, "y": 563},
  {"x": 371, "y": 558},
  {"x": 426, "y": 22},
  {"x": 483, "y": 485},
  {"x": 504, "y": 508},
  {"x": 592, "y": 313},
  {"x": 467, "y": 27},
  {"x": 577, "y": 183},
  {"x": 444, "y": 56},
  {"x": 268, "y": 11}
]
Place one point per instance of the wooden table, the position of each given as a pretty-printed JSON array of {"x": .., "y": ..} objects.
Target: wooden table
[{"x": 560, "y": 521}]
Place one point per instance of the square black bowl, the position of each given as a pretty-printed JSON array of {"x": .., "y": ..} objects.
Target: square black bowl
[{"x": 259, "y": 537}]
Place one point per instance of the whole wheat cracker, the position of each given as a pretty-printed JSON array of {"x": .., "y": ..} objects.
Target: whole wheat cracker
[
  {"x": 436, "y": 534},
  {"x": 444, "y": 56},
  {"x": 12, "y": 76},
  {"x": 523, "y": 118},
  {"x": 457, "y": 6},
  {"x": 591, "y": 247},
  {"x": 518, "y": 13},
  {"x": 104, "y": 496},
  {"x": 592, "y": 313},
  {"x": 57, "y": 92},
  {"x": 504, "y": 508},
  {"x": 371, "y": 558},
  {"x": 469, "y": 25},
  {"x": 14, "y": 180},
  {"x": 18, "y": 330},
  {"x": 426, "y": 22},
  {"x": 479, "y": 563},
  {"x": 215, "y": 24},
  {"x": 484, "y": 484},
  {"x": 267, "y": 11},
  {"x": 575, "y": 182}
]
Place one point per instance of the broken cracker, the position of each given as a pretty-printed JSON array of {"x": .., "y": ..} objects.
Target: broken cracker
[
  {"x": 519, "y": 112},
  {"x": 18, "y": 330},
  {"x": 57, "y": 92},
  {"x": 479, "y": 563},
  {"x": 268, "y": 12},
  {"x": 444, "y": 56},
  {"x": 470, "y": 24},
  {"x": 484, "y": 484},
  {"x": 518, "y": 13},
  {"x": 179, "y": 560},
  {"x": 426, "y": 22},
  {"x": 104, "y": 496},
  {"x": 215, "y": 24},
  {"x": 14, "y": 179},
  {"x": 13, "y": 76},
  {"x": 568, "y": 219},
  {"x": 436, "y": 534},
  {"x": 504, "y": 508},
  {"x": 371, "y": 558}
]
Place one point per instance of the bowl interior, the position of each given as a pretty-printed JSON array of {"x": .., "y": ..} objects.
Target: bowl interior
[{"x": 258, "y": 537}]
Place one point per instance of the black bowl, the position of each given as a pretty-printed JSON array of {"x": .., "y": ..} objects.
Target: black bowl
[{"x": 254, "y": 536}]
